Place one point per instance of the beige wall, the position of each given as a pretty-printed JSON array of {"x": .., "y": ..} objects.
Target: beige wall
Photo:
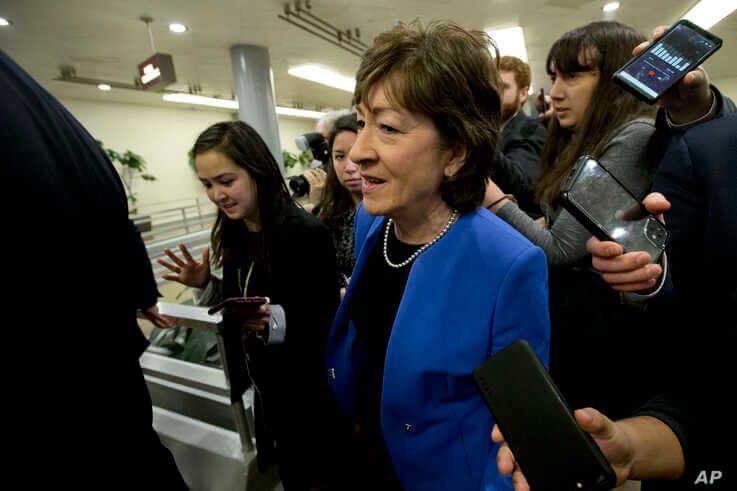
[{"x": 163, "y": 136}]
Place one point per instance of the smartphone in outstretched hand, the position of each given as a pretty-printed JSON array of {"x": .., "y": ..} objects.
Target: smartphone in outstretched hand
[
  {"x": 682, "y": 48},
  {"x": 602, "y": 204},
  {"x": 550, "y": 447}
]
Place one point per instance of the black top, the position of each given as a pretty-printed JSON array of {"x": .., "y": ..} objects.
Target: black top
[
  {"x": 373, "y": 309},
  {"x": 698, "y": 175},
  {"x": 517, "y": 166},
  {"x": 291, "y": 374}
]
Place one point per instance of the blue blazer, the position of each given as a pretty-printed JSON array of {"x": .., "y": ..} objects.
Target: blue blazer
[{"x": 479, "y": 288}]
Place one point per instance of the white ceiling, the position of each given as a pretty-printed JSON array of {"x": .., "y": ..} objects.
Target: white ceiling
[{"x": 105, "y": 39}]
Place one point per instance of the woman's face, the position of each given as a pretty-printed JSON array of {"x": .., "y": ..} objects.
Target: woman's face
[
  {"x": 571, "y": 94},
  {"x": 228, "y": 185},
  {"x": 400, "y": 158},
  {"x": 346, "y": 170}
]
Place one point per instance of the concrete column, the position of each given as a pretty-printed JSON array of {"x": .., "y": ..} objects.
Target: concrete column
[{"x": 255, "y": 93}]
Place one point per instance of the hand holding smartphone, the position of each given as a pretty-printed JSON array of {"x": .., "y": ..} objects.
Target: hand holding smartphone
[
  {"x": 609, "y": 211},
  {"x": 680, "y": 50},
  {"x": 552, "y": 450}
]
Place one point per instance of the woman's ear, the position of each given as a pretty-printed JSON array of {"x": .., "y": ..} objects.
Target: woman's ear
[{"x": 457, "y": 160}]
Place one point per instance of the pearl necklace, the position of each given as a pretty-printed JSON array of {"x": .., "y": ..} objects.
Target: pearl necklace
[{"x": 451, "y": 221}]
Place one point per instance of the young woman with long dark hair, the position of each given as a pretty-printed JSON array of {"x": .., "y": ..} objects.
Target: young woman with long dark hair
[
  {"x": 591, "y": 326},
  {"x": 253, "y": 238},
  {"x": 342, "y": 193}
]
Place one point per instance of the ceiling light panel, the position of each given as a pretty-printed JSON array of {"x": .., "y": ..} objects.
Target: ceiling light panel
[
  {"x": 510, "y": 41},
  {"x": 707, "y": 13},
  {"x": 199, "y": 100},
  {"x": 325, "y": 76},
  {"x": 611, "y": 7},
  {"x": 178, "y": 28}
]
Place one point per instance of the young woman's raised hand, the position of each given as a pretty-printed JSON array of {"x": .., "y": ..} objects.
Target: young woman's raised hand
[{"x": 187, "y": 271}]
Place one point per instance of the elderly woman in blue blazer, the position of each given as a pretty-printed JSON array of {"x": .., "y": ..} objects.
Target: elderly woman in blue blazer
[{"x": 439, "y": 283}]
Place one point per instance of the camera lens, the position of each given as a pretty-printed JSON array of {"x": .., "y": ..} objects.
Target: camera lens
[{"x": 299, "y": 185}]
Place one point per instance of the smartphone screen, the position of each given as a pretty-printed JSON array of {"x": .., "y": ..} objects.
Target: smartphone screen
[
  {"x": 553, "y": 451},
  {"x": 613, "y": 209},
  {"x": 663, "y": 64}
]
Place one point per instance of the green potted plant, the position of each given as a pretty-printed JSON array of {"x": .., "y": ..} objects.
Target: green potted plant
[
  {"x": 296, "y": 163},
  {"x": 131, "y": 166}
]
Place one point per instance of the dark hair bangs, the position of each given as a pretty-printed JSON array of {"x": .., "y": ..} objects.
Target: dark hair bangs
[{"x": 573, "y": 53}]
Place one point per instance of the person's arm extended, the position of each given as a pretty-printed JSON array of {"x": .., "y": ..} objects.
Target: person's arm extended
[
  {"x": 637, "y": 448},
  {"x": 565, "y": 242},
  {"x": 656, "y": 451},
  {"x": 511, "y": 177}
]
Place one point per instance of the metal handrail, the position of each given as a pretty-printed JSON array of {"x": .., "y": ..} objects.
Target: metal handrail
[
  {"x": 197, "y": 318},
  {"x": 193, "y": 215}
]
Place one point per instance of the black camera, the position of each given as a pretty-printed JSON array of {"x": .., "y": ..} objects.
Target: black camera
[{"x": 319, "y": 148}]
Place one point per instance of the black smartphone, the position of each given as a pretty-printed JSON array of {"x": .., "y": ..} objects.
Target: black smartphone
[
  {"x": 239, "y": 304},
  {"x": 542, "y": 98},
  {"x": 553, "y": 452},
  {"x": 682, "y": 48},
  {"x": 602, "y": 204}
]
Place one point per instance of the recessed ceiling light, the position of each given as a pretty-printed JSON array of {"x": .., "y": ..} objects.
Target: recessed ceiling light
[
  {"x": 324, "y": 76},
  {"x": 4, "y": 22},
  {"x": 510, "y": 41},
  {"x": 104, "y": 87},
  {"x": 178, "y": 28},
  {"x": 706, "y": 13},
  {"x": 610, "y": 7}
]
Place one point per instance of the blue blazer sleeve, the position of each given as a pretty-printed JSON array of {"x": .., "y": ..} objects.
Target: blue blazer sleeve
[
  {"x": 522, "y": 312},
  {"x": 522, "y": 305}
]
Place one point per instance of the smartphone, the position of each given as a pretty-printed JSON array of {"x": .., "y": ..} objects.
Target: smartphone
[
  {"x": 609, "y": 210},
  {"x": 682, "y": 48},
  {"x": 542, "y": 98},
  {"x": 239, "y": 304},
  {"x": 552, "y": 450}
]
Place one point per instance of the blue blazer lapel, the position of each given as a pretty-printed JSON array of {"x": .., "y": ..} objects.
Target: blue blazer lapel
[
  {"x": 342, "y": 359},
  {"x": 366, "y": 248}
]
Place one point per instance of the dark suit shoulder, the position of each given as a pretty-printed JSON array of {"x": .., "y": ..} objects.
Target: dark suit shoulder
[{"x": 524, "y": 126}]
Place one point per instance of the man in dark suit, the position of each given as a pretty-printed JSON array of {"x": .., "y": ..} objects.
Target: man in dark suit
[
  {"x": 75, "y": 272},
  {"x": 522, "y": 137},
  {"x": 698, "y": 176},
  {"x": 697, "y": 307}
]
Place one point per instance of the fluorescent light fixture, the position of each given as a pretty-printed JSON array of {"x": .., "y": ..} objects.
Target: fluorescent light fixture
[
  {"x": 200, "y": 100},
  {"x": 324, "y": 76},
  {"x": 706, "y": 13},
  {"x": 510, "y": 41},
  {"x": 4, "y": 22},
  {"x": 298, "y": 113},
  {"x": 610, "y": 7},
  {"x": 104, "y": 87},
  {"x": 178, "y": 28}
]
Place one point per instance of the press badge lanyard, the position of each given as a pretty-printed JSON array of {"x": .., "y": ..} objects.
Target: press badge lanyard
[{"x": 244, "y": 284}]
